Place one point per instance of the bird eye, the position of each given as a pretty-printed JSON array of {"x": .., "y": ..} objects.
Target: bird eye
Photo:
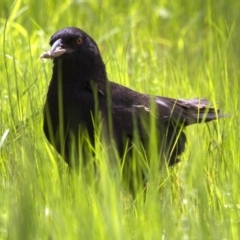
[{"x": 79, "y": 41}]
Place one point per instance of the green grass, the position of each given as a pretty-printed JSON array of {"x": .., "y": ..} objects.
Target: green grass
[{"x": 181, "y": 49}]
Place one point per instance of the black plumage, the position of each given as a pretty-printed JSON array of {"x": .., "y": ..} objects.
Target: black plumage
[{"x": 79, "y": 86}]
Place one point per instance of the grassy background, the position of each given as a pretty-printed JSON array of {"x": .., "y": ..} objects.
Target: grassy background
[{"x": 181, "y": 49}]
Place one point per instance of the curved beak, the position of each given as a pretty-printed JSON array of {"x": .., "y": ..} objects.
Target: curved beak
[{"x": 57, "y": 50}]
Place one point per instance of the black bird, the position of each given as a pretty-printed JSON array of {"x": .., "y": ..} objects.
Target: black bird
[{"x": 79, "y": 87}]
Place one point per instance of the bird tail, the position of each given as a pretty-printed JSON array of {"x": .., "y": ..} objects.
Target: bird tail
[{"x": 200, "y": 110}]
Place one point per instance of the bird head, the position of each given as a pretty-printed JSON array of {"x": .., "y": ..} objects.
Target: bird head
[
  {"x": 76, "y": 54},
  {"x": 71, "y": 41}
]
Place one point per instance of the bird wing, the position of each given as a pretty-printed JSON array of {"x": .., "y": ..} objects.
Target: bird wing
[{"x": 128, "y": 104}]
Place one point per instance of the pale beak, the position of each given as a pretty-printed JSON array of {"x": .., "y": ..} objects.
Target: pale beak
[{"x": 57, "y": 50}]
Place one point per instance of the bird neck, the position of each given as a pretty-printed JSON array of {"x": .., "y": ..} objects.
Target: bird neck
[{"x": 77, "y": 73}]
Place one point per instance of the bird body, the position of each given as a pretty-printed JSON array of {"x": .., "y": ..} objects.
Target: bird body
[{"x": 79, "y": 89}]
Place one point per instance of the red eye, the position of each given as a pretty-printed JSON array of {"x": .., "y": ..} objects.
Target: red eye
[{"x": 79, "y": 41}]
